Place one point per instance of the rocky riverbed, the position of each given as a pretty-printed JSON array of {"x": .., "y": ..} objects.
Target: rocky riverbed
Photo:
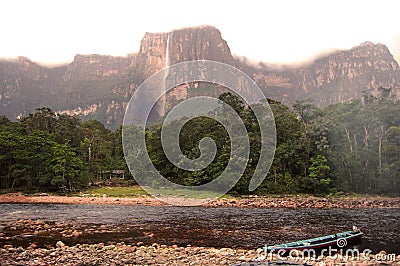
[
  {"x": 73, "y": 242},
  {"x": 133, "y": 254},
  {"x": 27, "y": 250},
  {"x": 256, "y": 202}
]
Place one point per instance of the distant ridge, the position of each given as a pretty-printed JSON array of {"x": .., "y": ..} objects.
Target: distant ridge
[{"x": 99, "y": 86}]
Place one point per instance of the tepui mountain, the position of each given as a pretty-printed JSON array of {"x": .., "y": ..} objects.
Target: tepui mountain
[{"x": 100, "y": 86}]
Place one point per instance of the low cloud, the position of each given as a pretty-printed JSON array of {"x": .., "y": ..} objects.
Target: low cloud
[
  {"x": 286, "y": 66},
  {"x": 395, "y": 48}
]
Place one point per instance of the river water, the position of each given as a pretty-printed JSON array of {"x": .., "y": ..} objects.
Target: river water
[{"x": 218, "y": 227}]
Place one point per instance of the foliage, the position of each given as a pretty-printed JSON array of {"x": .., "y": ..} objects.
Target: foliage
[
  {"x": 349, "y": 147},
  {"x": 46, "y": 151},
  {"x": 363, "y": 143}
]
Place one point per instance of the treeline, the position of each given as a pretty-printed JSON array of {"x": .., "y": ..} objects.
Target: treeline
[
  {"x": 298, "y": 165},
  {"x": 349, "y": 147},
  {"x": 46, "y": 151},
  {"x": 360, "y": 139}
]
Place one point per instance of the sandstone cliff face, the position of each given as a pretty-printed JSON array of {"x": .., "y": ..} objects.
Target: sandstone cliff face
[
  {"x": 158, "y": 50},
  {"x": 99, "y": 87},
  {"x": 152, "y": 54},
  {"x": 197, "y": 44},
  {"x": 346, "y": 74},
  {"x": 336, "y": 77},
  {"x": 98, "y": 67},
  {"x": 24, "y": 84}
]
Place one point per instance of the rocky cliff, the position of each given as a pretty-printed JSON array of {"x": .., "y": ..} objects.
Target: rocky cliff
[
  {"x": 23, "y": 85},
  {"x": 98, "y": 86},
  {"x": 98, "y": 67},
  {"x": 345, "y": 75},
  {"x": 158, "y": 50},
  {"x": 337, "y": 77}
]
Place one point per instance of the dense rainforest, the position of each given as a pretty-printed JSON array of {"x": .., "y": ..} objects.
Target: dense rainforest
[{"x": 348, "y": 147}]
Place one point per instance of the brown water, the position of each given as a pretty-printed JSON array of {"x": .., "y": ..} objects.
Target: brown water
[{"x": 214, "y": 227}]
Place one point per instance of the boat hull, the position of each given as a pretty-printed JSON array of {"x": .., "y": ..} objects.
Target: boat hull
[{"x": 337, "y": 241}]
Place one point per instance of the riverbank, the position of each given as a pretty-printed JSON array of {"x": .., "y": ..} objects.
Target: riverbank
[
  {"x": 126, "y": 254},
  {"x": 255, "y": 202},
  {"x": 71, "y": 242}
]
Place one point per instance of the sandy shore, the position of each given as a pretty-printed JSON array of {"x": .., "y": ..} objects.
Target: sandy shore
[{"x": 260, "y": 202}]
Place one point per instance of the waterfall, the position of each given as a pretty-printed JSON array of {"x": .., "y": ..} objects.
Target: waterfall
[
  {"x": 167, "y": 52},
  {"x": 162, "y": 101}
]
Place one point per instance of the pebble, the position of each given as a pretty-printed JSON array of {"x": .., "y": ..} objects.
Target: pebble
[
  {"x": 251, "y": 201},
  {"x": 60, "y": 244},
  {"x": 131, "y": 253}
]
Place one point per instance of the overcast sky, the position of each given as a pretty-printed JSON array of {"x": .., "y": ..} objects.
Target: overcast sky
[{"x": 53, "y": 31}]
